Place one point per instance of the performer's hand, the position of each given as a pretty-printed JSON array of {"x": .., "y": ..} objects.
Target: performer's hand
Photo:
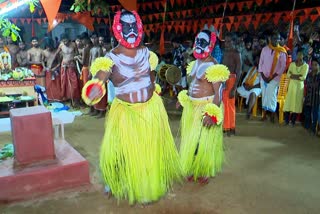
[
  {"x": 207, "y": 122},
  {"x": 178, "y": 105},
  {"x": 232, "y": 93},
  {"x": 245, "y": 86},
  {"x": 95, "y": 92}
]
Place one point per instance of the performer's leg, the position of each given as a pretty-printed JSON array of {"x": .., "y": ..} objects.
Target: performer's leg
[
  {"x": 293, "y": 118},
  {"x": 287, "y": 117},
  {"x": 252, "y": 101}
]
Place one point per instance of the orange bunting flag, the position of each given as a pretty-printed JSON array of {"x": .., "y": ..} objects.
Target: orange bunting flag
[
  {"x": 290, "y": 37},
  {"x": 147, "y": 32},
  {"x": 22, "y": 20},
  {"x": 51, "y": 9},
  {"x": 228, "y": 26},
  {"x": 38, "y": 21},
  {"x": 246, "y": 24},
  {"x": 268, "y": 1},
  {"x": 40, "y": 11},
  {"x": 150, "y": 17},
  {"x": 231, "y": 19},
  {"x": 181, "y": 27},
  {"x": 267, "y": 16},
  {"x": 240, "y": 6},
  {"x": 157, "y": 15},
  {"x": 85, "y": 19},
  {"x": 129, "y": 5},
  {"x": 258, "y": 17},
  {"x": 184, "y": 13},
  {"x": 276, "y": 18},
  {"x": 255, "y": 24},
  {"x": 303, "y": 19},
  {"x": 188, "y": 27},
  {"x": 172, "y": 3},
  {"x": 307, "y": 11},
  {"x": 156, "y": 5},
  {"x": 314, "y": 18},
  {"x": 231, "y": 6},
  {"x": 236, "y": 25},
  {"x": 259, "y": 2},
  {"x": 195, "y": 28},
  {"x": 248, "y": 18},
  {"x": 249, "y": 4}
]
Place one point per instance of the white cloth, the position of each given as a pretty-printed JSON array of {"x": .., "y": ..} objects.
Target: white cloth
[
  {"x": 245, "y": 93},
  {"x": 269, "y": 95},
  {"x": 111, "y": 92}
]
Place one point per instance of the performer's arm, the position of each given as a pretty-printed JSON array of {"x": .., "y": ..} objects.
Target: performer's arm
[
  {"x": 29, "y": 58},
  {"x": 238, "y": 73},
  {"x": 218, "y": 87}
]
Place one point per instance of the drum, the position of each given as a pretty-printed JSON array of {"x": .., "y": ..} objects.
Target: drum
[{"x": 170, "y": 74}]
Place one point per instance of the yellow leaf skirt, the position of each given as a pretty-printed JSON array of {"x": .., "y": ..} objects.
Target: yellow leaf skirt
[
  {"x": 201, "y": 148},
  {"x": 138, "y": 158}
]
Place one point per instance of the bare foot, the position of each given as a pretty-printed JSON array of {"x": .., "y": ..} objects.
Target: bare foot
[{"x": 203, "y": 180}]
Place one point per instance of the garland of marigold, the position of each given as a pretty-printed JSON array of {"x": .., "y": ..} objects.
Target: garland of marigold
[
  {"x": 101, "y": 64},
  {"x": 183, "y": 97},
  {"x": 157, "y": 89},
  {"x": 153, "y": 60},
  {"x": 217, "y": 73},
  {"x": 214, "y": 112}
]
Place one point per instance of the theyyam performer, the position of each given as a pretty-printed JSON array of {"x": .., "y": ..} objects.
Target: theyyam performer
[
  {"x": 138, "y": 157},
  {"x": 201, "y": 149}
]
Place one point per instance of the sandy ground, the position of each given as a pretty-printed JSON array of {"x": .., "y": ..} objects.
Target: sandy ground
[{"x": 269, "y": 169}]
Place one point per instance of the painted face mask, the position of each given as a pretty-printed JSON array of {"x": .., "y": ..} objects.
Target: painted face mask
[
  {"x": 203, "y": 45},
  {"x": 127, "y": 28}
]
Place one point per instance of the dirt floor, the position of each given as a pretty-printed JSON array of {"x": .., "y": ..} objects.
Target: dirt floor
[{"x": 269, "y": 169}]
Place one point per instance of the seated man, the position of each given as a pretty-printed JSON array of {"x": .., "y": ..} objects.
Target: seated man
[{"x": 250, "y": 87}]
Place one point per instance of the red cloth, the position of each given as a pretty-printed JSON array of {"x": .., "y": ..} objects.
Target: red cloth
[
  {"x": 53, "y": 87},
  {"x": 229, "y": 122},
  {"x": 69, "y": 82},
  {"x": 40, "y": 78},
  {"x": 102, "y": 105}
]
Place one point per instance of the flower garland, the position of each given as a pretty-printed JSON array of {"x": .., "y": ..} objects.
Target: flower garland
[
  {"x": 153, "y": 60},
  {"x": 190, "y": 66},
  {"x": 101, "y": 64},
  {"x": 217, "y": 73},
  {"x": 183, "y": 97},
  {"x": 87, "y": 88},
  {"x": 117, "y": 30},
  {"x": 157, "y": 89},
  {"x": 214, "y": 112}
]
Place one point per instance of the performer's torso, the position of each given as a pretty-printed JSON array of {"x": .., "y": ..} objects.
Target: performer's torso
[
  {"x": 229, "y": 60},
  {"x": 35, "y": 55},
  {"x": 199, "y": 86},
  {"x": 131, "y": 76}
]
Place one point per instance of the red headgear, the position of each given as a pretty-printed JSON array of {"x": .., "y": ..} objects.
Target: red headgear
[
  {"x": 117, "y": 30},
  {"x": 204, "y": 55}
]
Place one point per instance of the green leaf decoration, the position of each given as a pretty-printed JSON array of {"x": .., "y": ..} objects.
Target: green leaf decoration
[
  {"x": 31, "y": 7},
  {"x": 6, "y": 32}
]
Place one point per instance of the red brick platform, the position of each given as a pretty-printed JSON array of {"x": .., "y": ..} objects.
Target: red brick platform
[
  {"x": 40, "y": 165},
  {"x": 70, "y": 170}
]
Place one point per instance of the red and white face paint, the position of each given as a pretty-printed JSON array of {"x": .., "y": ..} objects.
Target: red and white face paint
[
  {"x": 127, "y": 28},
  {"x": 203, "y": 45}
]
